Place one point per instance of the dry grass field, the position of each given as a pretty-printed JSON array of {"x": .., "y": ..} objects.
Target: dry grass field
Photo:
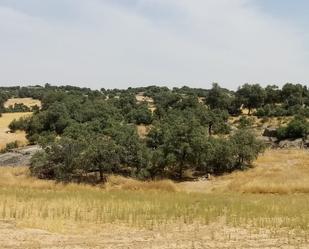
[
  {"x": 5, "y": 135},
  {"x": 277, "y": 172},
  {"x": 263, "y": 207},
  {"x": 26, "y": 101}
]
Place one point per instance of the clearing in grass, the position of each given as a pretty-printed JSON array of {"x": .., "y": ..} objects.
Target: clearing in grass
[
  {"x": 5, "y": 135},
  {"x": 26, "y": 101}
]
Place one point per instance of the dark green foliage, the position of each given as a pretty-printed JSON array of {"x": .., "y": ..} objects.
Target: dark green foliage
[
  {"x": 272, "y": 95},
  {"x": 221, "y": 156},
  {"x": 218, "y": 98},
  {"x": 251, "y": 96},
  {"x": 18, "y": 108},
  {"x": 60, "y": 161},
  {"x": 140, "y": 115},
  {"x": 175, "y": 137},
  {"x": 246, "y": 147},
  {"x": 245, "y": 122},
  {"x": 297, "y": 128},
  {"x": 87, "y": 134},
  {"x": 215, "y": 120},
  {"x": 20, "y": 124},
  {"x": 293, "y": 94},
  {"x": 101, "y": 155}
]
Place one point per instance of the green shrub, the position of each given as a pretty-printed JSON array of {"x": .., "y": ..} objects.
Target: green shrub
[
  {"x": 19, "y": 124},
  {"x": 10, "y": 146},
  {"x": 296, "y": 128},
  {"x": 245, "y": 122}
]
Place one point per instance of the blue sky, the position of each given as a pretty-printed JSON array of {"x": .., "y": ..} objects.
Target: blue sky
[
  {"x": 122, "y": 43},
  {"x": 297, "y": 10}
]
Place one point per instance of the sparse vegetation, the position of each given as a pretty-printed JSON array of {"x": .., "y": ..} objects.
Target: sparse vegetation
[
  {"x": 10, "y": 146},
  {"x": 5, "y": 135}
]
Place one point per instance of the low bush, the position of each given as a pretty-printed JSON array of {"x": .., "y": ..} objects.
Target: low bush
[
  {"x": 10, "y": 146},
  {"x": 296, "y": 128}
]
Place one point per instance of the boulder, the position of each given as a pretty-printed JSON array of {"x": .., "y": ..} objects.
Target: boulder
[
  {"x": 269, "y": 141},
  {"x": 306, "y": 142},
  {"x": 18, "y": 157},
  {"x": 289, "y": 144},
  {"x": 270, "y": 132}
]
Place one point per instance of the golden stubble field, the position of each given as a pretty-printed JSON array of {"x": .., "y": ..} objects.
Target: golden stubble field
[{"x": 264, "y": 207}]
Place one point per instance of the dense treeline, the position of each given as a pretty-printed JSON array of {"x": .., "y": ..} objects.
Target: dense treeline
[{"x": 88, "y": 133}]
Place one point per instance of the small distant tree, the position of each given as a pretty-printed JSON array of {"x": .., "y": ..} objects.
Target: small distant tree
[
  {"x": 215, "y": 120},
  {"x": 246, "y": 147},
  {"x": 272, "y": 94},
  {"x": 218, "y": 98},
  {"x": 219, "y": 157},
  {"x": 293, "y": 94},
  {"x": 251, "y": 96}
]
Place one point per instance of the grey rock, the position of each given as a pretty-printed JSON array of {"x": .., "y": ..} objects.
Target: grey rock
[
  {"x": 286, "y": 144},
  {"x": 306, "y": 143},
  {"x": 269, "y": 141},
  {"x": 19, "y": 157}
]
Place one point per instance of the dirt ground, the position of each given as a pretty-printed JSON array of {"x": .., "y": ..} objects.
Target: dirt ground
[{"x": 112, "y": 237}]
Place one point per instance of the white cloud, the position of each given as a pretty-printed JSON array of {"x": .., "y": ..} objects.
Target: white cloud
[{"x": 172, "y": 42}]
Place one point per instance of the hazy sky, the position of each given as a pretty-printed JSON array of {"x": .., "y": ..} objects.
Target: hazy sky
[{"x": 122, "y": 43}]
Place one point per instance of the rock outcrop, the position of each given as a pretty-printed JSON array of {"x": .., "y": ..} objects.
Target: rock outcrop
[
  {"x": 19, "y": 157},
  {"x": 290, "y": 144}
]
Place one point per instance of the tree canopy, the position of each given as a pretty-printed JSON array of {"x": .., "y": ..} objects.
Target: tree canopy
[{"x": 90, "y": 133}]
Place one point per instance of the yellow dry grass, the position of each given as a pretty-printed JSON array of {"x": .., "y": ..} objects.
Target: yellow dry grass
[
  {"x": 201, "y": 100},
  {"x": 143, "y": 130},
  {"x": 19, "y": 177},
  {"x": 277, "y": 172},
  {"x": 5, "y": 135},
  {"x": 31, "y": 202},
  {"x": 123, "y": 183},
  {"x": 141, "y": 98},
  {"x": 258, "y": 122},
  {"x": 26, "y": 101}
]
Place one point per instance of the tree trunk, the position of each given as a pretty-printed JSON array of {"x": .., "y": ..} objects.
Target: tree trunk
[
  {"x": 210, "y": 130},
  {"x": 102, "y": 178},
  {"x": 180, "y": 170}
]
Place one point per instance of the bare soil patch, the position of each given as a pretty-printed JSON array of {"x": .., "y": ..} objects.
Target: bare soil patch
[{"x": 119, "y": 237}]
